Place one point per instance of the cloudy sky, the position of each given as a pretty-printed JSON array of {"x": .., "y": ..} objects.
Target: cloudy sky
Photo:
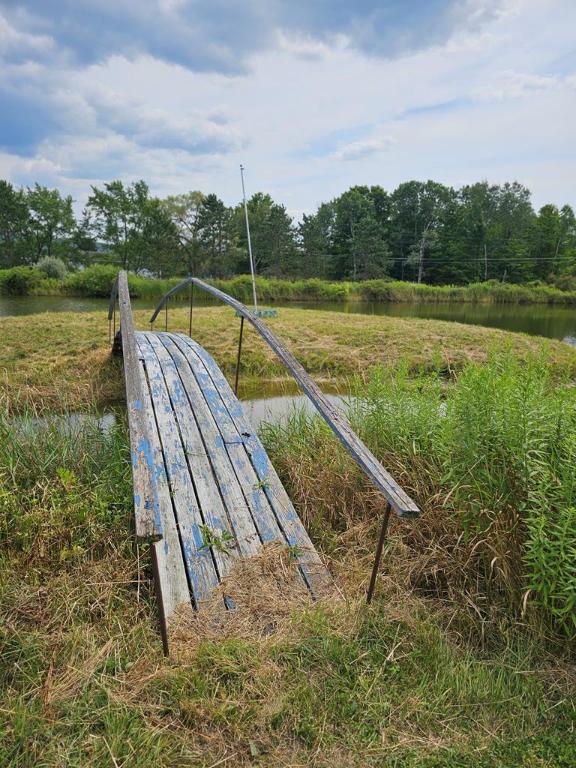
[{"x": 311, "y": 95}]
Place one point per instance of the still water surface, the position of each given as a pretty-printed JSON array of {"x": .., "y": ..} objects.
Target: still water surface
[
  {"x": 258, "y": 412},
  {"x": 535, "y": 319}
]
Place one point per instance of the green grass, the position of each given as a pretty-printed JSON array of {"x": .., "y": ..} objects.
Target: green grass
[
  {"x": 490, "y": 458},
  {"x": 62, "y": 359},
  {"x": 84, "y": 682},
  {"x": 464, "y": 660}
]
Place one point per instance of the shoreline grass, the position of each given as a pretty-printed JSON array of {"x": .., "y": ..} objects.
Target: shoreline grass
[
  {"x": 489, "y": 458},
  {"x": 96, "y": 281},
  {"x": 62, "y": 360},
  {"x": 84, "y": 683}
]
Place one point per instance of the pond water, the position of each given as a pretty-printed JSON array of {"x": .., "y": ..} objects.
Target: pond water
[
  {"x": 258, "y": 411},
  {"x": 535, "y": 319},
  {"x": 275, "y": 409}
]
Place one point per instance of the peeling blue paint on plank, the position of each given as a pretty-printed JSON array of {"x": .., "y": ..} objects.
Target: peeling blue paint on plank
[
  {"x": 294, "y": 532},
  {"x": 263, "y": 514},
  {"x": 202, "y": 574}
]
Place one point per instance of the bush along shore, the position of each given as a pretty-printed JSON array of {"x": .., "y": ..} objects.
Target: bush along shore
[
  {"x": 96, "y": 281},
  {"x": 462, "y": 661}
]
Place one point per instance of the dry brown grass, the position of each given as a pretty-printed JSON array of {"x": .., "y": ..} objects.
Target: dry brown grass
[
  {"x": 266, "y": 590},
  {"x": 280, "y": 681},
  {"x": 62, "y": 359},
  {"x": 459, "y": 577}
]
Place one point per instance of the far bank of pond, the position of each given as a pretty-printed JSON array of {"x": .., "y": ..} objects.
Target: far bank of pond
[{"x": 553, "y": 322}]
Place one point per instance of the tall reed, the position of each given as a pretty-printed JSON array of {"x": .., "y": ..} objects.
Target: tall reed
[{"x": 490, "y": 454}]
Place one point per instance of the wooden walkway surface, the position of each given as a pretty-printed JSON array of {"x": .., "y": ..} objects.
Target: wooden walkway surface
[
  {"x": 214, "y": 480},
  {"x": 205, "y": 491}
]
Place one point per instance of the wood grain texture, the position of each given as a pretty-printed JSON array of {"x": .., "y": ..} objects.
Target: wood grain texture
[
  {"x": 256, "y": 468},
  {"x": 198, "y": 561},
  {"x": 204, "y": 488},
  {"x": 172, "y": 581},
  {"x": 213, "y": 443},
  {"x": 201, "y": 469},
  {"x": 144, "y": 470}
]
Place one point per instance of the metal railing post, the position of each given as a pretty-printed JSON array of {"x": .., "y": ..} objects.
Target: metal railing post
[
  {"x": 377, "y": 558},
  {"x": 238, "y": 356},
  {"x": 191, "y": 295}
]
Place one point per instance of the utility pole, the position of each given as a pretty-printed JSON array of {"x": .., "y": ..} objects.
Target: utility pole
[{"x": 249, "y": 240}]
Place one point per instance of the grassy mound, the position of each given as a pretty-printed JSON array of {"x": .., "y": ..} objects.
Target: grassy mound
[{"x": 62, "y": 359}]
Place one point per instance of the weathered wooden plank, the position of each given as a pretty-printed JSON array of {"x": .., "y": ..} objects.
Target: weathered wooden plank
[
  {"x": 172, "y": 582},
  {"x": 260, "y": 473},
  {"x": 263, "y": 515},
  {"x": 202, "y": 575},
  {"x": 401, "y": 503},
  {"x": 214, "y": 446},
  {"x": 144, "y": 470},
  {"x": 203, "y": 477}
]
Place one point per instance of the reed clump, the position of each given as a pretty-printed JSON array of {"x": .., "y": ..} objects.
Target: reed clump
[
  {"x": 489, "y": 456},
  {"x": 97, "y": 280}
]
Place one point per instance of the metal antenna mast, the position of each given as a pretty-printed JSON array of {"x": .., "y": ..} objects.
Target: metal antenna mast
[{"x": 249, "y": 240}]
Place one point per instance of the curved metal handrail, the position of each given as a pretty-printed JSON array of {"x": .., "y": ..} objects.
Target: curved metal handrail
[{"x": 397, "y": 498}]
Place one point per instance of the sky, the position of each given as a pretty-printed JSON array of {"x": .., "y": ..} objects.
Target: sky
[{"x": 312, "y": 96}]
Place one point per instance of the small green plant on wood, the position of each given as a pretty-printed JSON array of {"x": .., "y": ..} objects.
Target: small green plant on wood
[
  {"x": 262, "y": 485},
  {"x": 219, "y": 541},
  {"x": 294, "y": 552}
]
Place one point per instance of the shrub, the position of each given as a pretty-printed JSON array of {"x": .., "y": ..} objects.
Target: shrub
[
  {"x": 52, "y": 267},
  {"x": 20, "y": 281},
  {"x": 96, "y": 281}
]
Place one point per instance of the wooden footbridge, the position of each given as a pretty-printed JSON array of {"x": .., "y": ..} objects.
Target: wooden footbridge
[{"x": 205, "y": 491}]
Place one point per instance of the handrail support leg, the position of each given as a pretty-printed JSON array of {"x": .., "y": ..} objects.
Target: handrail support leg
[
  {"x": 238, "y": 356},
  {"x": 191, "y": 295},
  {"x": 378, "y": 556}
]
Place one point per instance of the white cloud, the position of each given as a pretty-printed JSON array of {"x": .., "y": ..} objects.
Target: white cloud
[
  {"x": 310, "y": 48},
  {"x": 493, "y": 103},
  {"x": 514, "y": 85},
  {"x": 358, "y": 150},
  {"x": 14, "y": 41}
]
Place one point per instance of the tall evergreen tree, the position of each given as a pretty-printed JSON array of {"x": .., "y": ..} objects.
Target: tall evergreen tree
[
  {"x": 316, "y": 242},
  {"x": 272, "y": 235},
  {"x": 216, "y": 236}
]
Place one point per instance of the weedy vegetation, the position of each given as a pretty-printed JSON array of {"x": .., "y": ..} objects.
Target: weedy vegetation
[
  {"x": 489, "y": 456},
  {"x": 97, "y": 280},
  {"x": 218, "y": 541},
  {"x": 465, "y": 658}
]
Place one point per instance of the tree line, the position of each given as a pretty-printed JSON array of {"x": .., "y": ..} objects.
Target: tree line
[{"x": 421, "y": 232}]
